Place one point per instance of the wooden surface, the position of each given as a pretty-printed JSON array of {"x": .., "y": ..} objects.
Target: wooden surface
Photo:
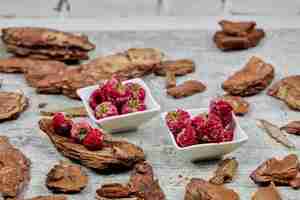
[{"x": 281, "y": 48}]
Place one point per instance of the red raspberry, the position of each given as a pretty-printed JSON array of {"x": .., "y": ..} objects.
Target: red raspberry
[
  {"x": 228, "y": 135},
  {"x": 116, "y": 92},
  {"x": 61, "y": 124},
  {"x": 199, "y": 124},
  {"x": 79, "y": 131},
  {"x": 177, "y": 120},
  {"x": 187, "y": 137},
  {"x": 223, "y": 109},
  {"x": 105, "y": 109},
  {"x": 93, "y": 140},
  {"x": 133, "y": 105},
  {"x": 214, "y": 129},
  {"x": 97, "y": 97},
  {"x": 136, "y": 91}
]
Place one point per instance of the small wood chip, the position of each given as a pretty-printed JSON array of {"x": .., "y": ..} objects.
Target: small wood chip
[
  {"x": 170, "y": 79},
  {"x": 225, "y": 172},
  {"x": 187, "y": 88},
  {"x": 292, "y": 128}
]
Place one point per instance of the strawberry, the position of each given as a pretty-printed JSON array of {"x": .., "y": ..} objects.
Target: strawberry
[
  {"x": 105, "y": 109},
  {"x": 116, "y": 92},
  {"x": 93, "y": 139},
  {"x": 223, "y": 109},
  {"x": 61, "y": 124},
  {"x": 97, "y": 97},
  {"x": 79, "y": 131},
  {"x": 187, "y": 136},
  {"x": 133, "y": 105},
  {"x": 177, "y": 120},
  {"x": 199, "y": 124},
  {"x": 136, "y": 91}
]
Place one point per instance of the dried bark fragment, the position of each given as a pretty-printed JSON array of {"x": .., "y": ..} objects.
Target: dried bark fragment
[
  {"x": 275, "y": 133},
  {"x": 237, "y": 28},
  {"x": 281, "y": 172},
  {"x": 179, "y": 67},
  {"x": 267, "y": 193},
  {"x": 292, "y": 127},
  {"x": 198, "y": 189},
  {"x": 70, "y": 112},
  {"x": 14, "y": 170},
  {"x": 66, "y": 178},
  {"x": 11, "y": 105},
  {"x": 240, "y": 106},
  {"x": 237, "y": 35},
  {"x": 115, "y": 155},
  {"x": 142, "y": 185},
  {"x": 251, "y": 79},
  {"x": 53, "y": 197},
  {"x": 287, "y": 90},
  {"x": 45, "y": 43},
  {"x": 187, "y": 88},
  {"x": 225, "y": 172},
  {"x": 170, "y": 79}
]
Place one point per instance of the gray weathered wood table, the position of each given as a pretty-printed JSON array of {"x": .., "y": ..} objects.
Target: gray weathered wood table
[{"x": 281, "y": 48}]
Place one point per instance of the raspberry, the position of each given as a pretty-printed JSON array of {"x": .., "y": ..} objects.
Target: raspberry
[
  {"x": 136, "y": 91},
  {"x": 177, "y": 120},
  {"x": 61, "y": 124},
  {"x": 105, "y": 109},
  {"x": 133, "y": 105},
  {"x": 228, "y": 135},
  {"x": 97, "y": 97},
  {"x": 214, "y": 129},
  {"x": 93, "y": 140},
  {"x": 199, "y": 124},
  {"x": 223, "y": 109},
  {"x": 79, "y": 131},
  {"x": 187, "y": 137},
  {"x": 116, "y": 92}
]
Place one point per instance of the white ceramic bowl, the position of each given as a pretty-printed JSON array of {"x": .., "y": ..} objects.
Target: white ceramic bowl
[
  {"x": 209, "y": 150},
  {"x": 124, "y": 122}
]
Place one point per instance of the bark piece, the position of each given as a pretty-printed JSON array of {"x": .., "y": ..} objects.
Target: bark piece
[
  {"x": 53, "y": 197},
  {"x": 115, "y": 155},
  {"x": 142, "y": 185},
  {"x": 66, "y": 178},
  {"x": 267, "y": 193},
  {"x": 292, "y": 127},
  {"x": 198, "y": 189},
  {"x": 225, "y": 172},
  {"x": 237, "y": 35},
  {"x": 287, "y": 90},
  {"x": 186, "y": 89},
  {"x": 237, "y": 28},
  {"x": 281, "y": 172},
  {"x": 251, "y": 79},
  {"x": 14, "y": 170},
  {"x": 275, "y": 133},
  {"x": 240, "y": 105},
  {"x": 11, "y": 105},
  {"x": 179, "y": 67},
  {"x": 46, "y": 43},
  {"x": 170, "y": 79},
  {"x": 70, "y": 112}
]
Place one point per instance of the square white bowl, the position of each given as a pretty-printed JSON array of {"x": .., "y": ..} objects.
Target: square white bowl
[
  {"x": 121, "y": 123},
  {"x": 209, "y": 150}
]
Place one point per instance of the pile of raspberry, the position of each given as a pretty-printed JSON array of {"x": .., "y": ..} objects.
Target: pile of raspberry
[
  {"x": 115, "y": 98},
  {"x": 78, "y": 132},
  {"x": 213, "y": 127}
]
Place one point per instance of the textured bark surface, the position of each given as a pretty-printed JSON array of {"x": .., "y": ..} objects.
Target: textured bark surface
[
  {"x": 14, "y": 170},
  {"x": 225, "y": 172},
  {"x": 188, "y": 88},
  {"x": 115, "y": 155},
  {"x": 251, "y": 79}
]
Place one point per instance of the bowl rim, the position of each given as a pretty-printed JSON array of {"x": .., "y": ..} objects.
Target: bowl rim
[
  {"x": 243, "y": 139},
  {"x": 82, "y": 92}
]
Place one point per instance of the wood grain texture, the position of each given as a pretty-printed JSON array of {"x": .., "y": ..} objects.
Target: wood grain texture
[{"x": 281, "y": 48}]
